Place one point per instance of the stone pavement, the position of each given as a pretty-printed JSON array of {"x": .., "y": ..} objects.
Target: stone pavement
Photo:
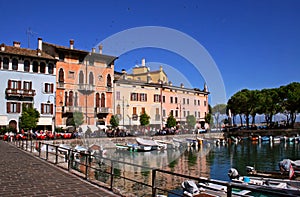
[{"x": 22, "y": 174}]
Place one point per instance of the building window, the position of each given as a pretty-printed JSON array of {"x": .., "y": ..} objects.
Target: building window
[
  {"x": 164, "y": 99},
  {"x": 176, "y": 113},
  {"x": 5, "y": 63},
  {"x": 81, "y": 77},
  {"x": 49, "y": 88},
  {"x": 164, "y": 113},
  {"x": 171, "y": 99},
  {"x": 184, "y": 114},
  {"x": 61, "y": 75},
  {"x": 91, "y": 78},
  {"x": 199, "y": 102},
  {"x": 188, "y": 113},
  {"x": 118, "y": 95},
  {"x": 171, "y": 112},
  {"x": 195, "y": 114},
  {"x": 188, "y": 101},
  {"x": 204, "y": 103},
  {"x": 134, "y": 97},
  {"x": 143, "y": 110},
  {"x": 26, "y": 105},
  {"x": 134, "y": 111},
  {"x": 42, "y": 67},
  {"x": 199, "y": 115},
  {"x": 50, "y": 68},
  {"x": 143, "y": 97},
  {"x": 14, "y": 64},
  {"x": 71, "y": 75},
  {"x": 176, "y": 99},
  {"x": 109, "y": 84},
  {"x": 183, "y": 101},
  {"x": 102, "y": 100},
  {"x": 71, "y": 98},
  {"x": 97, "y": 100},
  {"x": 76, "y": 99},
  {"x": 13, "y": 107},
  {"x": 35, "y": 67},
  {"x": 118, "y": 109},
  {"x": 195, "y": 102},
  {"x": 26, "y": 66},
  {"x": 15, "y": 85},
  {"x": 27, "y": 85},
  {"x": 47, "y": 108},
  {"x": 156, "y": 98}
]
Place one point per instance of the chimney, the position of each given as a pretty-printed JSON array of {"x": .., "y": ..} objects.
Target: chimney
[
  {"x": 124, "y": 73},
  {"x": 2, "y": 47},
  {"x": 100, "y": 48},
  {"x": 93, "y": 50},
  {"x": 40, "y": 42},
  {"x": 170, "y": 83},
  {"x": 39, "y": 52},
  {"x": 160, "y": 68},
  {"x": 17, "y": 44},
  {"x": 181, "y": 85},
  {"x": 71, "y": 44},
  {"x": 143, "y": 62}
]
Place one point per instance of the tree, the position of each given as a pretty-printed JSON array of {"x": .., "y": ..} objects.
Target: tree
[
  {"x": 78, "y": 118},
  {"x": 144, "y": 119},
  {"x": 171, "y": 121},
  {"x": 114, "y": 121},
  {"x": 291, "y": 101},
  {"x": 216, "y": 111},
  {"x": 191, "y": 121},
  {"x": 29, "y": 118}
]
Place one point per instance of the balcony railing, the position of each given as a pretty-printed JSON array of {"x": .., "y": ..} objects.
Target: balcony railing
[
  {"x": 86, "y": 87},
  {"x": 21, "y": 92},
  {"x": 103, "y": 110},
  {"x": 67, "y": 109}
]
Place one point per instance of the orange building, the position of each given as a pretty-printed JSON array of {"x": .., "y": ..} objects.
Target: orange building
[{"x": 83, "y": 84}]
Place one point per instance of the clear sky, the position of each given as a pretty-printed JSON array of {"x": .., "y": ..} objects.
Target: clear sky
[{"x": 254, "y": 43}]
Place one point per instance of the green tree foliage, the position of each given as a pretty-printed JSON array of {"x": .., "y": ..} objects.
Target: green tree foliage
[
  {"x": 144, "y": 119},
  {"x": 78, "y": 118},
  {"x": 114, "y": 121},
  {"x": 191, "y": 121},
  {"x": 171, "y": 121},
  {"x": 29, "y": 118},
  {"x": 269, "y": 102}
]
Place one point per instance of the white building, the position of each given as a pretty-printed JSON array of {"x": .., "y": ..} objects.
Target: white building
[{"x": 28, "y": 79}]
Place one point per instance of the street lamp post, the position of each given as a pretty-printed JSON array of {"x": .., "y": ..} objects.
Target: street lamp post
[
  {"x": 54, "y": 112},
  {"x": 179, "y": 113}
]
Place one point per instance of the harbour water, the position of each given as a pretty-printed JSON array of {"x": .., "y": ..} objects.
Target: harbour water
[{"x": 209, "y": 160}]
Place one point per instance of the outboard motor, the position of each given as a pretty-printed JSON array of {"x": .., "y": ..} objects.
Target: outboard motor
[
  {"x": 233, "y": 173},
  {"x": 190, "y": 188}
]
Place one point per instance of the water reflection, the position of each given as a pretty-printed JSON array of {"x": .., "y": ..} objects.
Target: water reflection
[{"x": 207, "y": 160}]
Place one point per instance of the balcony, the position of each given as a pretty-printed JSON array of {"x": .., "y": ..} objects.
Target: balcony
[
  {"x": 20, "y": 93},
  {"x": 101, "y": 110},
  {"x": 71, "y": 109},
  {"x": 86, "y": 88},
  {"x": 109, "y": 89},
  {"x": 157, "y": 117}
]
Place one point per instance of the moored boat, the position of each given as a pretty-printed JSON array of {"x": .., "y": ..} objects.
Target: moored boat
[
  {"x": 287, "y": 186},
  {"x": 147, "y": 142}
]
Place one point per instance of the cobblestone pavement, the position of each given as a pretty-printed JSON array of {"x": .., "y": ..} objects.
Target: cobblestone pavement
[{"x": 22, "y": 174}]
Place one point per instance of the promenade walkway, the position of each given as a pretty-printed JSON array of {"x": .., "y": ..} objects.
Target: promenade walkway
[{"x": 22, "y": 174}]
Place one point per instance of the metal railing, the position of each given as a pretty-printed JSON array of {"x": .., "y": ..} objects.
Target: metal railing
[{"x": 65, "y": 158}]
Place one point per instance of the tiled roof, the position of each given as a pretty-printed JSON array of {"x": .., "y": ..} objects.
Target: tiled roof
[
  {"x": 64, "y": 48},
  {"x": 24, "y": 52}
]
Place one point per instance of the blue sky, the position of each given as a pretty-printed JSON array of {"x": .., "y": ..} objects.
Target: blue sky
[{"x": 255, "y": 43}]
